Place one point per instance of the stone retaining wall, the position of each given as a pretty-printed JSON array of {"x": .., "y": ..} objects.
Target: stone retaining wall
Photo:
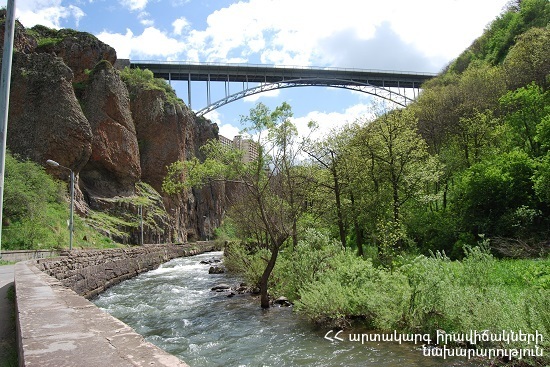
[
  {"x": 57, "y": 327},
  {"x": 90, "y": 272}
]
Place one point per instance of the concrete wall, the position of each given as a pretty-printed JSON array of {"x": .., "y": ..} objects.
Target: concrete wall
[
  {"x": 22, "y": 255},
  {"x": 58, "y": 327}
]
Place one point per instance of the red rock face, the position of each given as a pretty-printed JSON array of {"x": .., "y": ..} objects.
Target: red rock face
[
  {"x": 167, "y": 133},
  {"x": 45, "y": 118},
  {"x": 161, "y": 133},
  {"x": 113, "y": 168},
  {"x": 21, "y": 42},
  {"x": 80, "y": 51}
]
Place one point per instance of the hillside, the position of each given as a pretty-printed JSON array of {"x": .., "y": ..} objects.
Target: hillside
[{"x": 485, "y": 119}]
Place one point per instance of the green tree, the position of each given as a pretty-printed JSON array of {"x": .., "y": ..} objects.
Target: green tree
[
  {"x": 328, "y": 154},
  {"x": 528, "y": 60},
  {"x": 477, "y": 136},
  {"x": 398, "y": 156},
  {"x": 268, "y": 204},
  {"x": 496, "y": 197},
  {"x": 525, "y": 110}
]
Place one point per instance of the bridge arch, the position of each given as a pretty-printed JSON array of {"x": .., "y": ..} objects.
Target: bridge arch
[{"x": 397, "y": 97}]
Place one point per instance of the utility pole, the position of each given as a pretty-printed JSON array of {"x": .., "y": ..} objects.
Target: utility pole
[
  {"x": 5, "y": 81},
  {"x": 140, "y": 212}
]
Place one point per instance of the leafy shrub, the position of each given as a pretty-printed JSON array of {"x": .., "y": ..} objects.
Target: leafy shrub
[
  {"x": 433, "y": 231},
  {"x": 353, "y": 287},
  {"x": 432, "y": 292},
  {"x": 32, "y": 201},
  {"x": 298, "y": 267},
  {"x": 489, "y": 194},
  {"x": 478, "y": 293},
  {"x": 226, "y": 231}
]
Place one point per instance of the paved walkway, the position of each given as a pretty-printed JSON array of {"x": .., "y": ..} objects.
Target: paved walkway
[{"x": 7, "y": 332}]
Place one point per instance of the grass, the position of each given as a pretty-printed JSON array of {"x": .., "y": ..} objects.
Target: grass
[{"x": 144, "y": 79}]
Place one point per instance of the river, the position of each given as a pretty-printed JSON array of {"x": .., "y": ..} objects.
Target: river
[{"x": 174, "y": 308}]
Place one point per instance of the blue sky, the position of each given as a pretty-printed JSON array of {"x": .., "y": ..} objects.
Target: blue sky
[{"x": 403, "y": 35}]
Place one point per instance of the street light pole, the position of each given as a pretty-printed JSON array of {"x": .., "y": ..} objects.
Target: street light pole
[
  {"x": 71, "y": 217},
  {"x": 140, "y": 212}
]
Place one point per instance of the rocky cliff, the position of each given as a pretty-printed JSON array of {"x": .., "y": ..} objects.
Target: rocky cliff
[{"x": 68, "y": 103}]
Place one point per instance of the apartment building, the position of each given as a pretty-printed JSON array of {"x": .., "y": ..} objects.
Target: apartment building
[{"x": 248, "y": 146}]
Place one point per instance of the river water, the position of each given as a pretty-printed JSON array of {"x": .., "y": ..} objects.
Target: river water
[{"x": 174, "y": 308}]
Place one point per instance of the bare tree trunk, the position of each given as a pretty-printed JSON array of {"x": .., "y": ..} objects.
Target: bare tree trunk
[
  {"x": 340, "y": 215},
  {"x": 358, "y": 230},
  {"x": 264, "y": 298}
]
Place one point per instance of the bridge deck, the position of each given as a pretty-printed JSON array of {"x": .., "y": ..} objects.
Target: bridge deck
[{"x": 248, "y": 73}]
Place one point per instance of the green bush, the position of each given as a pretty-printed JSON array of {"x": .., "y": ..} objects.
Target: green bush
[
  {"x": 249, "y": 263},
  {"x": 478, "y": 293},
  {"x": 433, "y": 293},
  {"x": 495, "y": 197},
  {"x": 353, "y": 288},
  {"x": 226, "y": 231},
  {"x": 433, "y": 231},
  {"x": 298, "y": 267},
  {"x": 33, "y": 205},
  {"x": 36, "y": 211}
]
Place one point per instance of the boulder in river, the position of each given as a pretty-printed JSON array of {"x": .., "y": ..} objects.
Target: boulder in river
[
  {"x": 210, "y": 261},
  {"x": 221, "y": 287},
  {"x": 216, "y": 270},
  {"x": 283, "y": 302}
]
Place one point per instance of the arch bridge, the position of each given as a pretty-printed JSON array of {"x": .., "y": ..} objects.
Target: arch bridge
[{"x": 398, "y": 87}]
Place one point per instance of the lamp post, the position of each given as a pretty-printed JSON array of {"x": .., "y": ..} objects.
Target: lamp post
[{"x": 71, "y": 218}]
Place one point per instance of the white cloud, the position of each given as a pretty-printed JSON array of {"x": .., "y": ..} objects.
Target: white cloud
[
  {"x": 433, "y": 30},
  {"x": 229, "y": 131},
  {"x": 393, "y": 34},
  {"x": 122, "y": 43},
  {"x": 179, "y": 25},
  {"x": 214, "y": 116},
  {"x": 134, "y": 4},
  {"x": 178, "y": 3},
  {"x": 443, "y": 28},
  {"x": 49, "y": 13},
  {"x": 151, "y": 43},
  {"x": 328, "y": 122},
  {"x": 255, "y": 97},
  {"x": 145, "y": 19},
  {"x": 75, "y": 12}
]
